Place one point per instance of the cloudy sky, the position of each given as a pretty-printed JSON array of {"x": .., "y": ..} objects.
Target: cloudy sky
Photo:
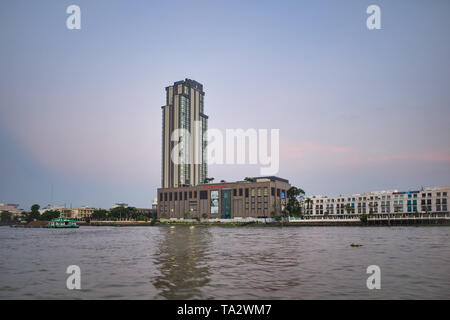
[{"x": 358, "y": 110}]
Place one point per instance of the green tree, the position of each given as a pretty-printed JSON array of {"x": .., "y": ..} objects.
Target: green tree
[
  {"x": 308, "y": 202},
  {"x": 124, "y": 213},
  {"x": 248, "y": 179},
  {"x": 119, "y": 213},
  {"x": 132, "y": 213},
  {"x": 208, "y": 180},
  {"x": 294, "y": 196},
  {"x": 99, "y": 215},
  {"x": 49, "y": 215},
  {"x": 363, "y": 218},
  {"x": 6, "y": 217},
  {"x": 34, "y": 214}
]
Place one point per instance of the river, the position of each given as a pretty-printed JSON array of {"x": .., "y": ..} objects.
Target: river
[{"x": 225, "y": 262}]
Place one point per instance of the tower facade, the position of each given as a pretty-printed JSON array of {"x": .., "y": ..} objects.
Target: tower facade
[{"x": 184, "y": 125}]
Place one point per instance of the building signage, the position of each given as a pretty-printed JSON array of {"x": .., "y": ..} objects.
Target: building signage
[{"x": 214, "y": 186}]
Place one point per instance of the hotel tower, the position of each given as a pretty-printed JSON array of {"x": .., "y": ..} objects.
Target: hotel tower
[{"x": 184, "y": 111}]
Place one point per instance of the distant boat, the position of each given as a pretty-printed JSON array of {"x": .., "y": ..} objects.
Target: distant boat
[{"x": 62, "y": 223}]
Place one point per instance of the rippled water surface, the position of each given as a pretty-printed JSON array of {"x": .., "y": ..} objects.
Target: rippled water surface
[{"x": 225, "y": 262}]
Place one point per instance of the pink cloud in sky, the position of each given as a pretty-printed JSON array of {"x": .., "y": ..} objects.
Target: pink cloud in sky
[
  {"x": 301, "y": 149},
  {"x": 314, "y": 154}
]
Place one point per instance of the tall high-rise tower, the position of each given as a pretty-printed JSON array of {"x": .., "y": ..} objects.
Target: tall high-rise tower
[{"x": 184, "y": 111}]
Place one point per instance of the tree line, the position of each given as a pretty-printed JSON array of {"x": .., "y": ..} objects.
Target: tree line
[{"x": 122, "y": 213}]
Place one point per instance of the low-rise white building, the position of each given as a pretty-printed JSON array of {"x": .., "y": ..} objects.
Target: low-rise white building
[
  {"x": 10, "y": 207},
  {"x": 77, "y": 213},
  {"x": 433, "y": 199}
]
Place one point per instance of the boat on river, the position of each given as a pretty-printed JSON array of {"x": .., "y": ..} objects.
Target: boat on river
[{"x": 62, "y": 223}]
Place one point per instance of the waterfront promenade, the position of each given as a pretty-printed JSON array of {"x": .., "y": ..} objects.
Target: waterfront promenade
[
  {"x": 376, "y": 219},
  {"x": 387, "y": 219}
]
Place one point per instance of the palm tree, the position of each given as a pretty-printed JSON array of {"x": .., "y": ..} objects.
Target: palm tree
[
  {"x": 208, "y": 180},
  {"x": 308, "y": 202},
  {"x": 348, "y": 208}
]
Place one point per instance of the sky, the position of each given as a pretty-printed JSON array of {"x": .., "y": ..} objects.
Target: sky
[{"x": 358, "y": 109}]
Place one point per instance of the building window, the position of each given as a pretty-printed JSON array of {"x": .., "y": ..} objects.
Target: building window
[
  {"x": 161, "y": 197},
  {"x": 234, "y": 192},
  {"x": 195, "y": 194},
  {"x": 176, "y": 196},
  {"x": 185, "y": 195},
  {"x": 190, "y": 194},
  {"x": 240, "y": 192},
  {"x": 278, "y": 192},
  {"x": 246, "y": 192},
  {"x": 170, "y": 196},
  {"x": 165, "y": 196},
  {"x": 181, "y": 195},
  {"x": 203, "y": 195}
]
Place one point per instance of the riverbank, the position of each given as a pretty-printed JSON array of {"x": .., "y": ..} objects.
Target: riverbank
[
  {"x": 257, "y": 223},
  {"x": 298, "y": 223}
]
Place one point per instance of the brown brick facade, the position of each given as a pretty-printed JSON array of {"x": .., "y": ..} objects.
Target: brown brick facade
[{"x": 261, "y": 198}]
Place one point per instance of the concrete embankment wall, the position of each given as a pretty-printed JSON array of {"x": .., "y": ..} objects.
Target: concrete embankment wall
[{"x": 298, "y": 223}]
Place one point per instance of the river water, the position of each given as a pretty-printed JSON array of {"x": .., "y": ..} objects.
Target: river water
[{"x": 225, "y": 262}]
